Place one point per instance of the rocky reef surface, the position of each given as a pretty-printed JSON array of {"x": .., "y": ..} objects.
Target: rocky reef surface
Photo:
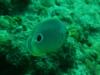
[{"x": 80, "y": 52}]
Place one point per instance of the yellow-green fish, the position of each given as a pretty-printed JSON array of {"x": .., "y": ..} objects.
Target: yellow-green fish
[{"x": 47, "y": 37}]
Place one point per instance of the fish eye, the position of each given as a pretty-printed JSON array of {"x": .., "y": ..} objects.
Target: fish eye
[{"x": 39, "y": 38}]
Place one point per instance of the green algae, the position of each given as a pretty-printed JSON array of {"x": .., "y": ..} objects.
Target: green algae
[{"x": 82, "y": 17}]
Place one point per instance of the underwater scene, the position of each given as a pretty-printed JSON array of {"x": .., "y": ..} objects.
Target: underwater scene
[{"x": 49, "y": 37}]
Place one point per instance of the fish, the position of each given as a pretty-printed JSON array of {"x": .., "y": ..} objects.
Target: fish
[{"x": 46, "y": 37}]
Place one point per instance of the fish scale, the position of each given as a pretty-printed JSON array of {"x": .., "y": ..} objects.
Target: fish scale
[{"x": 51, "y": 34}]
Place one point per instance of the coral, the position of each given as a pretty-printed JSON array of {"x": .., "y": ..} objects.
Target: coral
[
  {"x": 47, "y": 3},
  {"x": 19, "y": 6},
  {"x": 75, "y": 31},
  {"x": 4, "y": 36},
  {"x": 12, "y": 7}
]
